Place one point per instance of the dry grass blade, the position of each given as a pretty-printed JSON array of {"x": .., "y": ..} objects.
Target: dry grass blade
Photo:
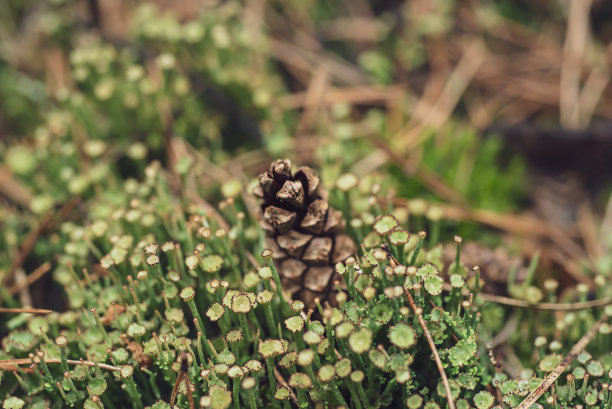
[
  {"x": 506, "y": 332},
  {"x": 29, "y": 310},
  {"x": 358, "y": 29},
  {"x": 437, "y": 114},
  {"x": 591, "y": 93},
  {"x": 12, "y": 189},
  {"x": 551, "y": 377},
  {"x": 606, "y": 223},
  {"x": 587, "y": 226},
  {"x": 434, "y": 350},
  {"x": 576, "y": 44},
  {"x": 306, "y": 60}
]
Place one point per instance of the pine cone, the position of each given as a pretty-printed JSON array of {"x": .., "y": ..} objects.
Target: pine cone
[{"x": 304, "y": 233}]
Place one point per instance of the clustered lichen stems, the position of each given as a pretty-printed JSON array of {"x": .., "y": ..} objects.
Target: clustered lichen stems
[{"x": 267, "y": 254}]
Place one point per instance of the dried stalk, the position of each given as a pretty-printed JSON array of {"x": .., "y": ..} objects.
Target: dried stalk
[
  {"x": 46, "y": 223},
  {"x": 30, "y": 278},
  {"x": 441, "y": 110},
  {"x": 574, "y": 306},
  {"x": 30, "y": 310},
  {"x": 576, "y": 44},
  {"x": 434, "y": 350},
  {"x": 9, "y": 364},
  {"x": 551, "y": 377},
  {"x": 358, "y": 95}
]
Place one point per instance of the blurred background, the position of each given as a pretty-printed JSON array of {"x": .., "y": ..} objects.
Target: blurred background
[{"x": 494, "y": 115}]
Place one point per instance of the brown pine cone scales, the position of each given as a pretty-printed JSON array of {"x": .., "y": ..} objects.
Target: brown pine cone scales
[{"x": 304, "y": 233}]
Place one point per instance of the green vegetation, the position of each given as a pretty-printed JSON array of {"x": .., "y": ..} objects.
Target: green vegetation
[{"x": 128, "y": 160}]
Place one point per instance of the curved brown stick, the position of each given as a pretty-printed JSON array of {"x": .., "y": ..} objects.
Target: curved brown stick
[
  {"x": 31, "y": 278},
  {"x": 552, "y": 377},
  {"x": 433, "y": 348}
]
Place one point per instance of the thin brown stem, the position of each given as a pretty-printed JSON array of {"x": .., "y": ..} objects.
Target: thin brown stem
[
  {"x": 30, "y": 310},
  {"x": 30, "y": 278},
  {"x": 175, "y": 390},
  {"x": 10, "y": 363},
  {"x": 434, "y": 350},
  {"x": 189, "y": 393}
]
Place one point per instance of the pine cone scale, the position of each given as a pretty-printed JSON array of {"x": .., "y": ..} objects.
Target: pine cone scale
[
  {"x": 292, "y": 193},
  {"x": 315, "y": 217},
  {"x": 293, "y": 242},
  {"x": 279, "y": 219}
]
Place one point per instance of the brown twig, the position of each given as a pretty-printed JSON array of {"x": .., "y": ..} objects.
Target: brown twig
[
  {"x": 549, "y": 306},
  {"x": 30, "y": 310},
  {"x": 508, "y": 222},
  {"x": 437, "y": 114},
  {"x": 11, "y": 363},
  {"x": 31, "y": 278},
  {"x": 28, "y": 244},
  {"x": 359, "y": 94},
  {"x": 551, "y": 377},
  {"x": 434, "y": 350},
  {"x": 519, "y": 224}
]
